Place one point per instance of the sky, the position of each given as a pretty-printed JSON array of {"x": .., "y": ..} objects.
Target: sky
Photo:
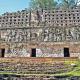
[{"x": 13, "y": 5}]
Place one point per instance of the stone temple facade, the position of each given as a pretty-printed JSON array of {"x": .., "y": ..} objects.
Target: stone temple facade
[{"x": 40, "y": 33}]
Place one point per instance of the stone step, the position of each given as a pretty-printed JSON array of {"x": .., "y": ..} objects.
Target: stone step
[{"x": 35, "y": 65}]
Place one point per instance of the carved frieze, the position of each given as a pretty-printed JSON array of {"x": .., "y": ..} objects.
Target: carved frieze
[{"x": 42, "y": 34}]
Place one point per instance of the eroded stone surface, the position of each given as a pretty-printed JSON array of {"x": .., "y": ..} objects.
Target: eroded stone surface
[{"x": 49, "y": 42}]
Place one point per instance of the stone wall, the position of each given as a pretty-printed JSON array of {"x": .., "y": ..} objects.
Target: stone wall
[
  {"x": 42, "y": 49},
  {"x": 41, "y": 34},
  {"x": 48, "y": 41},
  {"x": 40, "y": 17}
]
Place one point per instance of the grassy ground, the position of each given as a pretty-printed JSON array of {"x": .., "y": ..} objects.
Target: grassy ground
[{"x": 75, "y": 71}]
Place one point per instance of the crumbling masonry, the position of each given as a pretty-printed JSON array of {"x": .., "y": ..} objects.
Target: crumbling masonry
[{"x": 36, "y": 38}]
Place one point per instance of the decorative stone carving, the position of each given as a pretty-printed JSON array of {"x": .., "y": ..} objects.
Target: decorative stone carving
[{"x": 43, "y": 34}]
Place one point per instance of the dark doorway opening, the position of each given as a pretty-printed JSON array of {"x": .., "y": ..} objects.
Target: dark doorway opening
[
  {"x": 33, "y": 53},
  {"x": 2, "y": 52},
  {"x": 66, "y": 52}
]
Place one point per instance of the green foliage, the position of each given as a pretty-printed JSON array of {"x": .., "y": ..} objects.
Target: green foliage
[
  {"x": 49, "y": 4},
  {"x": 69, "y": 3}
]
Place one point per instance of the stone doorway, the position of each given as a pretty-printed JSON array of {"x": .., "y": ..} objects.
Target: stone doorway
[
  {"x": 2, "y": 52},
  {"x": 33, "y": 52},
  {"x": 66, "y": 52}
]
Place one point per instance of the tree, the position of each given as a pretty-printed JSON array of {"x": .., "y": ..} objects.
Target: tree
[
  {"x": 49, "y": 4},
  {"x": 69, "y": 3}
]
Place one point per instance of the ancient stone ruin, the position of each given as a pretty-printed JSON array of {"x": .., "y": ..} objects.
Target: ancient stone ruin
[{"x": 38, "y": 35}]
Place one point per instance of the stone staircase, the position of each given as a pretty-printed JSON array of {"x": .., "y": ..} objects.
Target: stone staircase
[{"x": 35, "y": 65}]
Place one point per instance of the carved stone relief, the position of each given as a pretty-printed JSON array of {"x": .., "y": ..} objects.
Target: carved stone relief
[{"x": 52, "y": 34}]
